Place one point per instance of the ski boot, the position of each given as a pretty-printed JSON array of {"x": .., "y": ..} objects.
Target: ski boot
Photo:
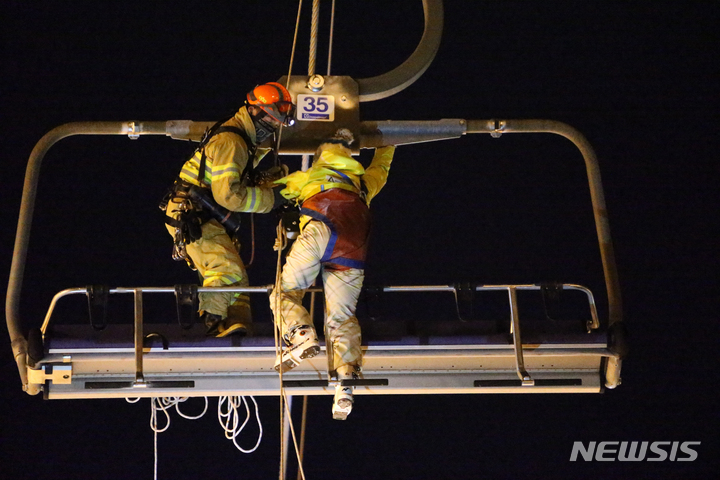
[
  {"x": 302, "y": 343},
  {"x": 343, "y": 400}
]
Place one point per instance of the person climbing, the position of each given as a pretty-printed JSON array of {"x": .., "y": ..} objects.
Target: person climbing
[
  {"x": 334, "y": 195},
  {"x": 220, "y": 179}
]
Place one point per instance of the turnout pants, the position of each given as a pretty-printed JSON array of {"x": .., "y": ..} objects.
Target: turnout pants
[
  {"x": 342, "y": 290},
  {"x": 218, "y": 262}
]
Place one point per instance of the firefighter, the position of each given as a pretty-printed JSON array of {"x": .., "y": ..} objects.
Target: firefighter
[
  {"x": 334, "y": 196},
  {"x": 217, "y": 180}
]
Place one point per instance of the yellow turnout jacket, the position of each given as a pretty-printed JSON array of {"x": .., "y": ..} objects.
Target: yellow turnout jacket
[
  {"x": 226, "y": 158},
  {"x": 335, "y": 168}
]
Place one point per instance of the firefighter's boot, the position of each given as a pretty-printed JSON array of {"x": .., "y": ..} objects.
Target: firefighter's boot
[
  {"x": 238, "y": 321},
  {"x": 213, "y": 323}
]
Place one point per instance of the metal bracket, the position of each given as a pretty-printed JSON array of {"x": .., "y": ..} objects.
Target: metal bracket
[
  {"x": 134, "y": 130},
  {"x": 464, "y": 293},
  {"x": 56, "y": 373},
  {"x": 186, "y": 299},
  {"x": 316, "y": 83},
  {"x": 517, "y": 341},
  {"x": 151, "y": 336},
  {"x": 551, "y": 292},
  {"x": 499, "y": 128},
  {"x": 97, "y": 305},
  {"x": 303, "y": 136},
  {"x": 139, "y": 339}
]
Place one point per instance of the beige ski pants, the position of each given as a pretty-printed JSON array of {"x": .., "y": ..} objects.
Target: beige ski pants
[{"x": 342, "y": 290}]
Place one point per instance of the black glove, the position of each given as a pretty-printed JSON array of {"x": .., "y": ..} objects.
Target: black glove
[
  {"x": 279, "y": 200},
  {"x": 291, "y": 221},
  {"x": 191, "y": 230},
  {"x": 265, "y": 178}
]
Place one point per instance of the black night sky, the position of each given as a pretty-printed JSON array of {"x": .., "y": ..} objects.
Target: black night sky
[{"x": 638, "y": 79}]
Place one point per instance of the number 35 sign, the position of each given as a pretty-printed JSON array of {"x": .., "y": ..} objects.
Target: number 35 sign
[{"x": 318, "y": 108}]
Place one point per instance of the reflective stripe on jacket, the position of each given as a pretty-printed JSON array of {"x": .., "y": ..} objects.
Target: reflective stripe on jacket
[{"x": 226, "y": 156}]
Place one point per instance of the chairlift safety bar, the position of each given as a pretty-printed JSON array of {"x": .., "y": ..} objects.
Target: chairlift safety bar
[{"x": 592, "y": 324}]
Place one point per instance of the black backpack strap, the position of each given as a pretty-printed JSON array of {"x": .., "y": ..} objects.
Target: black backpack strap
[
  {"x": 217, "y": 129},
  {"x": 172, "y": 222},
  {"x": 209, "y": 133},
  {"x": 247, "y": 172}
]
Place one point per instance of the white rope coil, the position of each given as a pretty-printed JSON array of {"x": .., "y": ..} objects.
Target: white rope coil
[{"x": 230, "y": 419}]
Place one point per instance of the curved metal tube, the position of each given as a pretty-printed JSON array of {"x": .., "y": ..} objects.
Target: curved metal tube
[
  {"x": 27, "y": 207},
  {"x": 378, "y": 133},
  {"x": 607, "y": 252},
  {"x": 374, "y": 134},
  {"x": 394, "y": 81}
]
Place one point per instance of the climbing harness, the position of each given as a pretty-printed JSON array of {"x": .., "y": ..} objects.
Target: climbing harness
[{"x": 196, "y": 205}]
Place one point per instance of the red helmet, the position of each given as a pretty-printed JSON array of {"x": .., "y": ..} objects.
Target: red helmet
[{"x": 273, "y": 99}]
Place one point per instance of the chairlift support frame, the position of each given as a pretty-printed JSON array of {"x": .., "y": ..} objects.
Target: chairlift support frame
[{"x": 592, "y": 363}]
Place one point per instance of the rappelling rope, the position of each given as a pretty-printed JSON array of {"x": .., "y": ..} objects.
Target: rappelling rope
[
  {"x": 287, "y": 87},
  {"x": 292, "y": 52},
  {"x": 252, "y": 236},
  {"x": 305, "y": 166},
  {"x": 280, "y": 245},
  {"x": 229, "y": 420},
  {"x": 292, "y": 59},
  {"x": 281, "y": 241},
  {"x": 332, "y": 24}
]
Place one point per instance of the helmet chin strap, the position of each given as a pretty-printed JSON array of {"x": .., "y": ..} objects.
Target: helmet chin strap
[{"x": 263, "y": 129}]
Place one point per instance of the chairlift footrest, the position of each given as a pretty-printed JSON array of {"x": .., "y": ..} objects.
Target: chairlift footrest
[
  {"x": 361, "y": 382},
  {"x": 134, "y": 385}
]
